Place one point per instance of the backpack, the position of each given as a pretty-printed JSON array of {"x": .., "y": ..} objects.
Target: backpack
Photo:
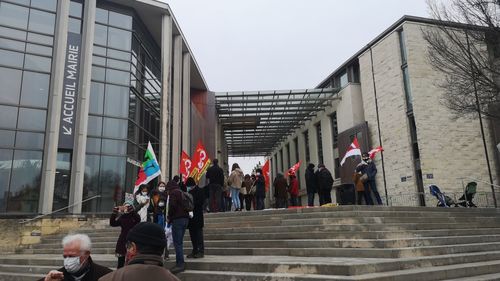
[{"x": 187, "y": 202}]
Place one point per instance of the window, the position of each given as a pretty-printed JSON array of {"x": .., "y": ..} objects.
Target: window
[
  {"x": 337, "y": 168},
  {"x": 320, "y": 143},
  {"x": 31, "y": 119},
  {"x": 406, "y": 75},
  {"x": 306, "y": 140},
  {"x": 10, "y": 79},
  {"x": 344, "y": 80},
  {"x": 13, "y": 15},
  {"x": 25, "y": 182},
  {"x": 335, "y": 129},
  {"x": 35, "y": 90},
  {"x": 42, "y": 22}
]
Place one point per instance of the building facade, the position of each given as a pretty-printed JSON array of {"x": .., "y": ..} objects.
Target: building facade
[
  {"x": 389, "y": 96},
  {"x": 85, "y": 85}
]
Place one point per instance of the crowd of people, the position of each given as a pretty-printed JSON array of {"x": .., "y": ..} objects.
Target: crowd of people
[{"x": 152, "y": 222}]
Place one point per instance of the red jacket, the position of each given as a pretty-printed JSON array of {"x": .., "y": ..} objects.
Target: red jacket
[{"x": 294, "y": 187}]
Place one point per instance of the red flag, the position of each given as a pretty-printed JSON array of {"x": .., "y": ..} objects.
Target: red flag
[
  {"x": 185, "y": 167},
  {"x": 374, "y": 151},
  {"x": 352, "y": 150},
  {"x": 293, "y": 170},
  {"x": 266, "y": 174},
  {"x": 201, "y": 162}
]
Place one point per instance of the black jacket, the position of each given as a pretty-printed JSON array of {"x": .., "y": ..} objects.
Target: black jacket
[
  {"x": 126, "y": 222},
  {"x": 311, "y": 181},
  {"x": 371, "y": 170},
  {"x": 260, "y": 187},
  {"x": 95, "y": 272},
  {"x": 197, "y": 220},
  {"x": 215, "y": 175},
  {"x": 325, "y": 179}
]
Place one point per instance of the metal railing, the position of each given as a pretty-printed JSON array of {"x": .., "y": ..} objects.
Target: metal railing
[{"x": 58, "y": 210}]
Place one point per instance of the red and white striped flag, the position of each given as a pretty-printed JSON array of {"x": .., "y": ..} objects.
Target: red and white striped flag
[
  {"x": 353, "y": 150},
  {"x": 374, "y": 151}
]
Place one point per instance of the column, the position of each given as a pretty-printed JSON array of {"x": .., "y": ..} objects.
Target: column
[
  {"x": 166, "y": 75},
  {"x": 186, "y": 103},
  {"x": 54, "y": 110},
  {"x": 313, "y": 145},
  {"x": 78, "y": 163},
  {"x": 302, "y": 156},
  {"x": 327, "y": 142},
  {"x": 286, "y": 161},
  {"x": 279, "y": 163},
  {"x": 176, "y": 111}
]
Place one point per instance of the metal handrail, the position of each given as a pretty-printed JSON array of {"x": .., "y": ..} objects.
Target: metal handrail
[
  {"x": 473, "y": 179},
  {"x": 58, "y": 210}
]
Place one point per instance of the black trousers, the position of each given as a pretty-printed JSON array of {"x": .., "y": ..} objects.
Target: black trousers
[
  {"x": 248, "y": 201},
  {"x": 196, "y": 235},
  {"x": 121, "y": 262},
  {"x": 325, "y": 196}
]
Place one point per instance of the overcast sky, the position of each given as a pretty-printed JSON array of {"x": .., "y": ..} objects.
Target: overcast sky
[{"x": 281, "y": 44}]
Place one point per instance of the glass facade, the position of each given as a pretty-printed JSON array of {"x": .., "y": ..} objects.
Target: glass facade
[
  {"x": 26, "y": 44},
  {"x": 124, "y": 111}
]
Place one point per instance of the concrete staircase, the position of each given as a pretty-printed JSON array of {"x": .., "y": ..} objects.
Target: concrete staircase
[{"x": 343, "y": 243}]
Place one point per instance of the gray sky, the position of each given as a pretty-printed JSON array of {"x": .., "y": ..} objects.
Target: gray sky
[{"x": 281, "y": 44}]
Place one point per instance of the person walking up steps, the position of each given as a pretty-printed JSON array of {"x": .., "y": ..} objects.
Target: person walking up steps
[{"x": 234, "y": 181}]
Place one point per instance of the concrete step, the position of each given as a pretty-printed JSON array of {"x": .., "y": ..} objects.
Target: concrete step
[
  {"x": 320, "y": 243},
  {"x": 328, "y": 266},
  {"x": 486, "y": 277},
  {"x": 355, "y": 220},
  {"x": 347, "y": 214},
  {"x": 8, "y": 276},
  {"x": 427, "y": 273},
  {"x": 26, "y": 268}
]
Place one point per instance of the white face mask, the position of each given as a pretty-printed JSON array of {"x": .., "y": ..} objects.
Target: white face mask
[
  {"x": 258, "y": 174},
  {"x": 144, "y": 193},
  {"x": 189, "y": 188},
  {"x": 161, "y": 188},
  {"x": 72, "y": 264},
  {"x": 161, "y": 204}
]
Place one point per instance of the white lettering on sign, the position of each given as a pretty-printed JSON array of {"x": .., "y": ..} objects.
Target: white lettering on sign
[
  {"x": 203, "y": 156},
  {"x": 70, "y": 90}
]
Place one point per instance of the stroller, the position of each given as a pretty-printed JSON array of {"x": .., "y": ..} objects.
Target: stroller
[
  {"x": 466, "y": 199},
  {"x": 443, "y": 200}
]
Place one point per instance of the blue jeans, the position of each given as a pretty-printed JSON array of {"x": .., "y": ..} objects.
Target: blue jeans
[
  {"x": 310, "y": 199},
  {"x": 235, "y": 197},
  {"x": 178, "y": 230},
  {"x": 370, "y": 185}
]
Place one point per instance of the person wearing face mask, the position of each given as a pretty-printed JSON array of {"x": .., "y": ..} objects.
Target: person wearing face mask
[
  {"x": 145, "y": 244},
  {"x": 126, "y": 218},
  {"x": 196, "y": 222},
  {"x": 142, "y": 199},
  {"x": 260, "y": 190},
  {"x": 371, "y": 171},
  {"x": 159, "y": 204},
  {"x": 78, "y": 265}
]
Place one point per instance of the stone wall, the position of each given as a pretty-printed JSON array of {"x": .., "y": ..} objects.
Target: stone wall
[
  {"x": 394, "y": 130},
  {"x": 450, "y": 148},
  {"x": 15, "y": 234}
]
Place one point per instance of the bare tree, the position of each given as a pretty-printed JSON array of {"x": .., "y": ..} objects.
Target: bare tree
[{"x": 465, "y": 46}]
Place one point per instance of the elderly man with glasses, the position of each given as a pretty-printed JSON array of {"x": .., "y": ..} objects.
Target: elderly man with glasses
[{"x": 78, "y": 265}]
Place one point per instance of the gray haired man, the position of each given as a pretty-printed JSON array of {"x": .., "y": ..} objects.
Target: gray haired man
[{"x": 78, "y": 265}]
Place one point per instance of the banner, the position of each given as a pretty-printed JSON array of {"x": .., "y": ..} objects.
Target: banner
[
  {"x": 266, "y": 174},
  {"x": 294, "y": 168},
  {"x": 185, "y": 167},
  {"x": 70, "y": 91},
  {"x": 201, "y": 162},
  {"x": 352, "y": 150},
  {"x": 149, "y": 170}
]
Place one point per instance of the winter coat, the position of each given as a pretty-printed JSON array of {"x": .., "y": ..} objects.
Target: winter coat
[
  {"x": 156, "y": 198},
  {"x": 236, "y": 178},
  {"x": 371, "y": 170},
  {"x": 260, "y": 185},
  {"x": 141, "y": 268},
  {"x": 95, "y": 272},
  {"x": 358, "y": 183},
  {"x": 215, "y": 175},
  {"x": 175, "y": 208},
  {"x": 280, "y": 187},
  {"x": 294, "y": 187},
  {"x": 246, "y": 185},
  {"x": 143, "y": 201},
  {"x": 325, "y": 179},
  {"x": 126, "y": 222},
  {"x": 311, "y": 181},
  {"x": 197, "y": 221}
]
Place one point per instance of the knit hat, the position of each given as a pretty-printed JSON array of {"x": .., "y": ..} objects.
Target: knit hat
[{"x": 148, "y": 233}]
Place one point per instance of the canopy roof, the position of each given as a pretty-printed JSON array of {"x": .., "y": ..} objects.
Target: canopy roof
[{"x": 254, "y": 123}]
